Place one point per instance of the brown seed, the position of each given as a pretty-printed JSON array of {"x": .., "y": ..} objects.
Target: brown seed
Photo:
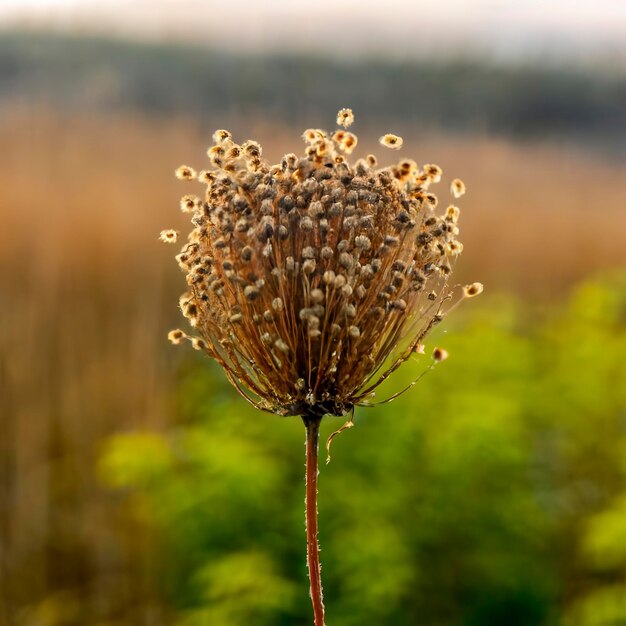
[
  {"x": 475, "y": 289},
  {"x": 317, "y": 295},
  {"x": 439, "y": 354},
  {"x": 391, "y": 141},
  {"x": 184, "y": 172},
  {"x": 221, "y": 136},
  {"x": 198, "y": 343},
  {"x": 176, "y": 336},
  {"x": 308, "y": 267},
  {"x": 169, "y": 236},
  {"x": 457, "y": 187},
  {"x": 345, "y": 118}
]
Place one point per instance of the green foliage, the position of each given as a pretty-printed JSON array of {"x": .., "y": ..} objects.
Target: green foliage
[
  {"x": 492, "y": 493},
  {"x": 135, "y": 460},
  {"x": 240, "y": 588}
]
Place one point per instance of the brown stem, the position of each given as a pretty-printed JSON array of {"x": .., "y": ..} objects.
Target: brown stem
[{"x": 312, "y": 423}]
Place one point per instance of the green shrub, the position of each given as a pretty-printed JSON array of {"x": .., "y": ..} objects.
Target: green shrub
[{"x": 492, "y": 493}]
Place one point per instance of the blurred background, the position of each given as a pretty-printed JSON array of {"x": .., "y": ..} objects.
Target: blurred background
[{"x": 136, "y": 489}]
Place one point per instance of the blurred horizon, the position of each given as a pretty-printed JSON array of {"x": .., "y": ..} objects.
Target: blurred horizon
[{"x": 575, "y": 107}]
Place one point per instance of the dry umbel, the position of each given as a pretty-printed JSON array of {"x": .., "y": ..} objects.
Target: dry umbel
[{"x": 310, "y": 281}]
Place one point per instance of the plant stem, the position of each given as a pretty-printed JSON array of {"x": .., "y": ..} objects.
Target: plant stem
[{"x": 312, "y": 424}]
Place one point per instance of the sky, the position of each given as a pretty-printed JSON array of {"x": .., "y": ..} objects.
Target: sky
[{"x": 576, "y": 30}]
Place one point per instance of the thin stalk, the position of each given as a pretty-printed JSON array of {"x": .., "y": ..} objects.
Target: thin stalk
[{"x": 312, "y": 424}]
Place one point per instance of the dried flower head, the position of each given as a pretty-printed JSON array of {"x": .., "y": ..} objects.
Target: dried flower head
[
  {"x": 439, "y": 354},
  {"x": 168, "y": 236},
  {"x": 189, "y": 203},
  {"x": 184, "y": 172},
  {"x": 475, "y": 289},
  {"x": 221, "y": 136},
  {"x": 457, "y": 187},
  {"x": 176, "y": 336},
  {"x": 345, "y": 118},
  {"x": 312, "y": 280},
  {"x": 391, "y": 141}
]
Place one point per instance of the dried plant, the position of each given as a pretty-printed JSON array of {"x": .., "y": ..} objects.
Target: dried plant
[{"x": 312, "y": 280}]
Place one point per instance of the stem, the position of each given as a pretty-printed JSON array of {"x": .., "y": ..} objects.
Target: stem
[{"x": 312, "y": 424}]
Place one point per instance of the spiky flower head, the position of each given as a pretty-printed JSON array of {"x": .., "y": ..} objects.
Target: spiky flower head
[{"x": 310, "y": 281}]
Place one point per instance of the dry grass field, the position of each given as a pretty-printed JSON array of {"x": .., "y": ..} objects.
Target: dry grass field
[{"x": 87, "y": 294}]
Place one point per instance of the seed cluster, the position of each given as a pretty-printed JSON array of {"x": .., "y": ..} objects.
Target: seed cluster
[{"x": 311, "y": 280}]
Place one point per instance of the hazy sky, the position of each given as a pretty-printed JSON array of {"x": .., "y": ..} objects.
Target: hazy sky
[{"x": 570, "y": 29}]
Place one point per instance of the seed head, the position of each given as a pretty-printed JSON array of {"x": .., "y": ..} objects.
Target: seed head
[
  {"x": 176, "y": 336},
  {"x": 348, "y": 143},
  {"x": 457, "y": 188},
  {"x": 372, "y": 161},
  {"x": 391, "y": 141},
  {"x": 169, "y": 236},
  {"x": 345, "y": 118},
  {"x": 310, "y": 281},
  {"x": 433, "y": 172},
  {"x": 222, "y": 136},
  {"x": 453, "y": 213},
  {"x": 439, "y": 354},
  {"x": 310, "y": 135},
  {"x": 198, "y": 343},
  {"x": 189, "y": 204},
  {"x": 475, "y": 289},
  {"x": 206, "y": 177},
  {"x": 251, "y": 149},
  {"x": 184, "y": 172}
]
